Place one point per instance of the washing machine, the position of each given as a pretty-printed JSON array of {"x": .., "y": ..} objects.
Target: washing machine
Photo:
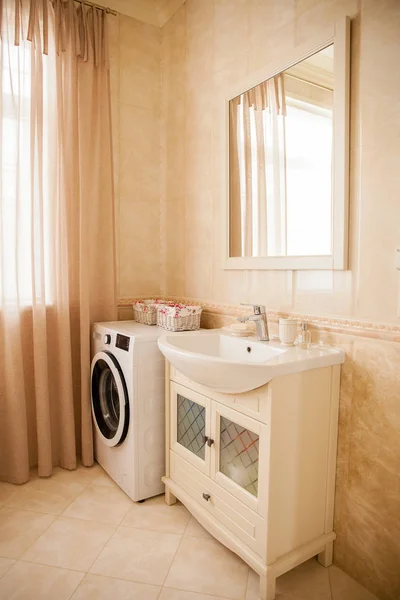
[{"x": 128, "y": 405}]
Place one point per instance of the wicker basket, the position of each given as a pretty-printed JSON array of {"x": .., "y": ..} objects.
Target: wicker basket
[
  {"x": 179, "y": 317},
  {"x": 145, "y": 311}
]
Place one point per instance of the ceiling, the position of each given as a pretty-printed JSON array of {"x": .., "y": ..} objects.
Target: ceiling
[{"x": 155, "y": 12}]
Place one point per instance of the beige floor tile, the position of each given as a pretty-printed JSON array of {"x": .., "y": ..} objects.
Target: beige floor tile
[
  {"x": 25, "y": 581},
  {"x": 194, "y": 529},
  {"x": 95, "y": 587},
  {"x": 52, "y": 495},
  {"x": 308, "y": 581},
  {"x": 345, "y": 588},
  {"x": 104, "y": 479},
  {"x": 7, "y": 492},
  {"x": 155, "y": 515},
  {"x": 19, "y": 529},
  {"x": 253, "y": 586},
  {"x": 5, "y": 564},
  {"x": 70, "y": 543},
  {"x": 139, "y": 555},
  {"x": 207, "y": 567},
  {"x": 100, "y": 503},
  {"x": 170, "y": 594},
  {"x": 81, "y": 474}
]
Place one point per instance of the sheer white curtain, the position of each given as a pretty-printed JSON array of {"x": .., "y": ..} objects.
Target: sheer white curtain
[
  {"x": 57, "y": 248},
  {"x": 257, "y": 170}
]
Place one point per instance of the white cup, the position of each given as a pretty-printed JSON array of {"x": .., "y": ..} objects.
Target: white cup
[{"x": 288, "y": 331}]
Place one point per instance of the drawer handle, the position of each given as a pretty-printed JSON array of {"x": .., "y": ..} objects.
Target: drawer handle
[{"x": 206, "y": 497}]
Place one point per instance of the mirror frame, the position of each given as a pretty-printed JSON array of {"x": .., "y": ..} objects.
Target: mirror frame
[{"x": 338, "y": 260}]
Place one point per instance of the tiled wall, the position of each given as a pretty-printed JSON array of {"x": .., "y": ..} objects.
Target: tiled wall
[
  {"x": 135, "y": 63},
  {"x": 204, "y": 48},
  {"x": 208, "y": 46}
]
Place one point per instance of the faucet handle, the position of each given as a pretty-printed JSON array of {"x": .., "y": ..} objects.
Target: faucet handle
[{"x": 259, "y": 309}]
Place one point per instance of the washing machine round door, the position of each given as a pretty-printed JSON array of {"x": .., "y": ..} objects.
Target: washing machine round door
[{"x": 110, "y": 403}]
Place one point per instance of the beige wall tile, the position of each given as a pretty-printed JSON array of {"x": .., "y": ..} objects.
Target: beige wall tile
[
  {"x": 135, "y": 85},
  {"x": 224, "y": 41}
]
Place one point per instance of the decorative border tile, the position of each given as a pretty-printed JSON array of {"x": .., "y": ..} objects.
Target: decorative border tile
[{"x": 379, "y": 331}]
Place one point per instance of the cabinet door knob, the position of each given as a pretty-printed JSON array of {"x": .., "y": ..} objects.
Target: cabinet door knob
[
  {"x": 209, "y": 442},
  {"x": 205, "y": 439},
  {"x": 206, "y": 497}
]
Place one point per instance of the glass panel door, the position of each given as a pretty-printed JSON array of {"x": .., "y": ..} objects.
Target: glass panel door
[
  {"x": 239, "y": 455},
  {"x": 190, "y": 426}
]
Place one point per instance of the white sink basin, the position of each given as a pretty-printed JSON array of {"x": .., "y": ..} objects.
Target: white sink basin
[{"x": 233, "y": 365}]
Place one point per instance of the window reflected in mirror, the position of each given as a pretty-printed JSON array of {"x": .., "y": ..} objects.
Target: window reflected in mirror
[{"x": 280, "y": 138}]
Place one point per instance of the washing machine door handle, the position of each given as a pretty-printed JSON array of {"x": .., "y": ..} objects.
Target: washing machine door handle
[{"x": 110, "y": 401}]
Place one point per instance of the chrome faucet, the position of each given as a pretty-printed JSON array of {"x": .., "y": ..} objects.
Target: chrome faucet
[{"x": 260, "y": 319}]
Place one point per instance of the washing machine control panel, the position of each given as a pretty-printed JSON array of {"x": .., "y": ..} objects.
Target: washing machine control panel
[
  {"x": 122, "y": 342},
  {"x": 107, "y": 338}
]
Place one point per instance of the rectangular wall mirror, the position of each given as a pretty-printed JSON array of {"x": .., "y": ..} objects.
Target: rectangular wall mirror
[{"x": 288, "y": 164}]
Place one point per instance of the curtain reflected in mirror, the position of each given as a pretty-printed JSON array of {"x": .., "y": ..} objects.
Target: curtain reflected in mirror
[{"x": 281, "y": 163}]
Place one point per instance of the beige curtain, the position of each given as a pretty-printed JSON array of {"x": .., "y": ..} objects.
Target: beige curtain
[
  {"x": 257, "y": 165},
  {"x": 57, "y": 248}
]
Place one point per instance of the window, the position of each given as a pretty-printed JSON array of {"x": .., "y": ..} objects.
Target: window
[{"x": 25, "y": 213}]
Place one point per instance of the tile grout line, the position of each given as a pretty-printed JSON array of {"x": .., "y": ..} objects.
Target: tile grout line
[
  {"x": 330, "y": 583},
  {"x": 37, "y": 539},
  {"x": 105, "y": 544},
  {"x": 6, "y": 571},
  {"x": 247, "y": 583},
  {"x": 176, "y": 552},
  {"x": 192, "y": 592}
]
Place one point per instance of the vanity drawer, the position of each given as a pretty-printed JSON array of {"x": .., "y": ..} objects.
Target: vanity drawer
[
  {"x": 254, "y": 404},
  {"x": 247, "y": 525}
]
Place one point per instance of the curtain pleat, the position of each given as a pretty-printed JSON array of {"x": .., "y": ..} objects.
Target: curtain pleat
[
  {"x": 257, "y": 169},
  {"x": 89, "y": 24},
  {"x": 235, "y": 224},
  {"x": 268, "y": 95},
  {"x": 56, "y": 210}
]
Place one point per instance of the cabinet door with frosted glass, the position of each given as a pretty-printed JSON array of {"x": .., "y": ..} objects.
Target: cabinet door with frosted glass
[
  {"x": 240, "y": 456},
  {"x": 190, "y": 426}
]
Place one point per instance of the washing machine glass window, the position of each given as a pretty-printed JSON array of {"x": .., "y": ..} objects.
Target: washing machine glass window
[
  {"x": 110, "y": 405},
  {"x": 109, "y": 401}
]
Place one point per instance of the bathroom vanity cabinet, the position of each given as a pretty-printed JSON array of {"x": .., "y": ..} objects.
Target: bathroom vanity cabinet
[{"x": 257, "y": 469}]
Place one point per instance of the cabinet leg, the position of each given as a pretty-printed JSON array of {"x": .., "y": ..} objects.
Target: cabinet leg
[
  {"x": 169, "y": 497},
  {"x": 325, "y": 558},
  {"x": 267, "y": 586}
]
